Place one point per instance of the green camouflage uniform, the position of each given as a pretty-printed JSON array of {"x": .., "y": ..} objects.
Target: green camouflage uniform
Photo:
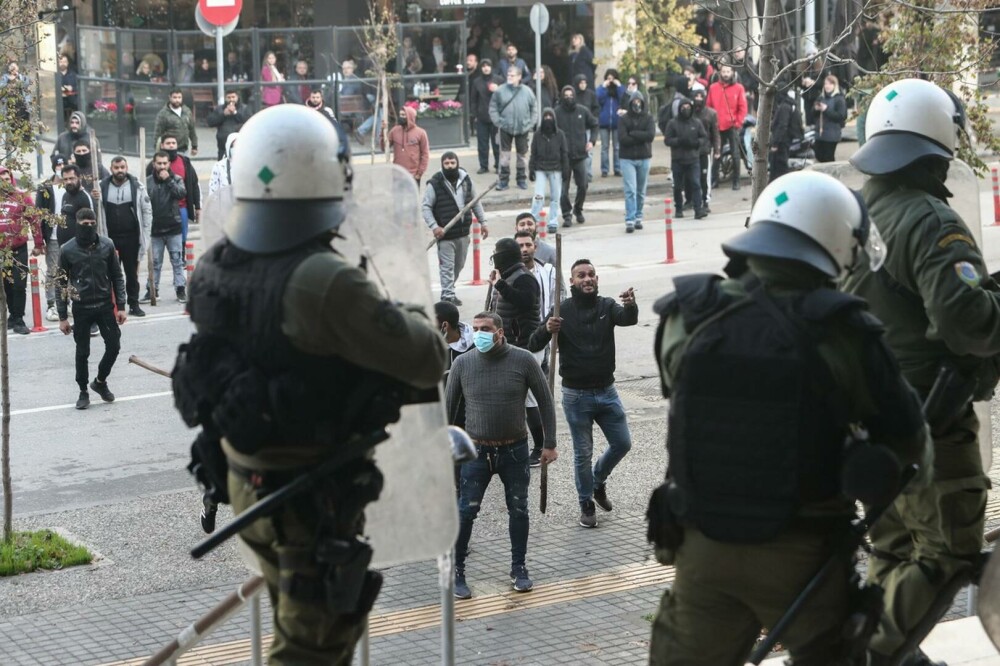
[
  {"x": 724, "y": 593},
  {"x": 330, "y": 308},
  {"x": 935, "y": 308}
]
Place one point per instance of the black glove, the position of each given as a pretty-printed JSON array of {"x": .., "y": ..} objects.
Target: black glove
[{"x": 531, "y": 176}]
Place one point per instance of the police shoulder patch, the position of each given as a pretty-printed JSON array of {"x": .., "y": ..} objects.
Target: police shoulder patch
[
  {"x": 955, "y": 238},
  {"x": 967, "y": 273}
]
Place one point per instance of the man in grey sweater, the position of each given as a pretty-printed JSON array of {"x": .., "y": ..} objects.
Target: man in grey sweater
[{"x": 494, "y": 382}]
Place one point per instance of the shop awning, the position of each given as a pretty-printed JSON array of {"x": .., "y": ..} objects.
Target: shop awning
[{"x": 486, "y": 4}]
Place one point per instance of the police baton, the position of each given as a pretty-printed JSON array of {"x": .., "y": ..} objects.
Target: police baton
[
  {"x": 848, "y": 545},
  {"x": 462, "y": 212},
  {"x": 300, "y": 484}
]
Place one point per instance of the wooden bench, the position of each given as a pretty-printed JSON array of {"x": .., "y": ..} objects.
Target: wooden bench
[{"x": 352, "y": 110}]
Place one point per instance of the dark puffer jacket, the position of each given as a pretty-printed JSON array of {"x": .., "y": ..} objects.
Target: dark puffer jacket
[
  {"x": 549, "y": 152},
  {"x": 636, "y": 130},
  {"x": 684, "y": 136}
]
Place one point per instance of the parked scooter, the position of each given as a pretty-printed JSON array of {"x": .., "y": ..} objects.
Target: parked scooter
[
  {"x": 800, "y": 153},
  {"x": 747, "y": 134}
]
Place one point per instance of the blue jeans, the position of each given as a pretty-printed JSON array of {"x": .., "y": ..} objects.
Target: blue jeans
[
  {"x": 175, "y": 248},
  {"x": 584, "y": 407},
  {"x": 374, "y": 119},
  {"x": 511, "y": 464},
  {"x": 184, "y": 225},
  {"x": 609, "y": 136},
  {"x": 634, "y": 175},
  {"x": 554, "y": 179}
]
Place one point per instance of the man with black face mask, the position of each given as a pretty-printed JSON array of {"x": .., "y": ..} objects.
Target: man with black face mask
[
  {"x": 447, "y": 193},
  {"x": 83, "y": 159},
  {"x": 586, "y": 328},
  {"x": 711, "y": 147},
  {"x": 579, "y": 125},
  {"x": 684, "y": 135},
  {"x": 514, "y": 293},
  {"x": 89, "y": 276},
  {"x": 129, "y": 214},
  {"x": 74, "y": 198}
]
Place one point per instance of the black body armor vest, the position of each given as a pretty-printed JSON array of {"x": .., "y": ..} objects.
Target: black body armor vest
[{"x": 756, "y": 425}]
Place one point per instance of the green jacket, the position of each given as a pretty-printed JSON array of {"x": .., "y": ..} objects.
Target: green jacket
[
  {"x": 182, "y": 126},
  {"x": 876, "y": 393},
  {"x": 931, "y": 296}
]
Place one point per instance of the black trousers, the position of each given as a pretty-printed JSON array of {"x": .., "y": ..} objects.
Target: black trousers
[
  {"x": 104, "y": 317},
  {"x": 16, "y": 289},
  {"x": 687, "y": 185},
  {"x": 486, "y": 136},
  {"x": 825, "y": 151},
  {"x": 128, "y": 255},
  {"x": 578, "y": 169},
  {"x": 777, "y": 163},
  {"x": 732, "y": 135},
  {"x": 703, "y": 166}
]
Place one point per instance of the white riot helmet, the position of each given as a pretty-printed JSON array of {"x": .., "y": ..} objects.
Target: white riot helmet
[
  {"x": 288, "y": 180},
  {"x": 907, "y": 120},
  {"x": 811, "y": 218}
]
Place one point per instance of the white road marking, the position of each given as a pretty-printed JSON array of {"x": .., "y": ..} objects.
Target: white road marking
[{"x": 52, "y": 408}]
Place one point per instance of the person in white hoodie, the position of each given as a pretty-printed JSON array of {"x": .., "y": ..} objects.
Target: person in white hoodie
[{"x": 222, "y": 172}]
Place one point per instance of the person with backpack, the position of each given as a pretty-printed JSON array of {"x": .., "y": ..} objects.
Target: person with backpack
[{"x": 711, "y": 147}]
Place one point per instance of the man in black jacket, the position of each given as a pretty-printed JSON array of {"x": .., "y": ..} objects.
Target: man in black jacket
[
  {"x": 447, "y": 193},
  {"x": 549, "y": 159},
  {"x": 578, "y": 124},
  {"x": 587, "y": 97},
  {"x": 586, "y": 330},
  {"x": 684, "y": 135},
  {"x": 180, "y": 164},
  {"x": 636, "y": 132},
  {"x": 711, "y": 146},
  {"x": 781, "y": 136},
  {"x": 74, "y": 199},
  {"x": 166, "y": 191},
  {"x": 129, "y": 215},
  {"x": 228, "y": 118},
  {"x": 514, "y": 293},
  {"x": 480, "y": 93},
  {"x": 89, "y": 276}
]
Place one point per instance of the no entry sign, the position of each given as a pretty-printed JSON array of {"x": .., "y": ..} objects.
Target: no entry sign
[{"x": 220, "y": 12}]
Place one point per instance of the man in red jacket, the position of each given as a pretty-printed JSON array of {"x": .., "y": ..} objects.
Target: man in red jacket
[
  {"x": 729, "y": 100},
  {"x": 14, "y": 234},
  {"x": 408, "y": 143}
]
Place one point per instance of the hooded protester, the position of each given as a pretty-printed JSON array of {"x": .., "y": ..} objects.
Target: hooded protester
[
  {"x": 222, "y": 172},
  {"x": 14, "y": 230},
  {"x": 49, "y": 198},
  {"x": 76, "y": 130},
  {"x": 668, "y": 111},
  {"x": 636, "y": 132},
  {"x": 408, "y": 143},
  {"x": 447, "y": 193},
  {"x": 550, "y": 160},
  {"x": 579, "y": 125},
  {"x": 514, "y": 294},
  {"x": 610, "y": 97},
  {"x": 781, "y": 135},
  {"x": 585, "y": 96},
  {"x": 711, "y": 147},
  {"x": 685, "y": 134}
]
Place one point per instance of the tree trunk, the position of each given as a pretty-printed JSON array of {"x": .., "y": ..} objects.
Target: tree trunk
[
  {"x": 384, "y": 86},
  {"x": 8, "y": 497},
  {"x": 768, "y": 89}
]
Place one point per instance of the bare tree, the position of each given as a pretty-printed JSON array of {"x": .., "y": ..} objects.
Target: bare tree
[{"x": 380, "y": 39}]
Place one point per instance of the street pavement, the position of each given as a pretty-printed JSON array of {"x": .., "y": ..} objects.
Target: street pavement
[{"x": 113, "y": 478}]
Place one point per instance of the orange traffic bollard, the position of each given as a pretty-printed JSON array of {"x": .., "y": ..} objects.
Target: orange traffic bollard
[
  {"x": 543, "y": 228},
  {"x": 477, "y": 239},
  {"x": 36, "y": 298},
  {"x": 189, "y": 259},
  {"x": 669, "y": 212}
]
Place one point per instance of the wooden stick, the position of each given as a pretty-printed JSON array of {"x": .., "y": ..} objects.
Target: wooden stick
[
  {"x": 95, "y": 173},
  {"x": 464, "y": 210},
  {"x": 544, "y": 482},
  {"x": 148, "y": 366}
]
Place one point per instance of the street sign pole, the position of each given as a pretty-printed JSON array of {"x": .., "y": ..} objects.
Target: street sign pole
[
  {"x": 539, "y": 20},
  {"x": 220, "y": 74}
]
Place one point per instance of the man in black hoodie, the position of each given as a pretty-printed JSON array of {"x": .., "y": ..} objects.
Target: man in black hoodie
[
  {"x": 578, "y": 124},
  {"x": 586, "y": 97},
  {"x": 514, "y": 293},
  {"x": 480, "y": 93},
  {"x": 781, "y": 136},
  {"x": 586, "y": 330},
  {"x": 89, "y": 275},
  {"x": 636, "y": 132},
  {"x": 684, "y": 135},
  {"x": 76, "y": 129},
  {"x": 550, "y": 160}
]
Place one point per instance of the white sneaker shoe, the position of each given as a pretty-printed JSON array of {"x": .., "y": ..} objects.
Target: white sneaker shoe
[{"x": 52, "y": 314}]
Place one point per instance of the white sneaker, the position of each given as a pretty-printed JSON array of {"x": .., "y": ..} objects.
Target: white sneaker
[{"x": 52, "y": 314}]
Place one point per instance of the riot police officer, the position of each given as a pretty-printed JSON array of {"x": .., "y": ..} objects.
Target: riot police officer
[
  {"x": 298, "y": 357},
  {"x": 940, "y": 319},
  {"x": 767, "y": 372}
]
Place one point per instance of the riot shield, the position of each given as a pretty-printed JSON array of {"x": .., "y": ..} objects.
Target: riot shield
[
  {"x": 416, "y": 518},
  {"x": 988, "y": 601},
  {"x": 964, "y": 184},
  {"x": 214, "y": 210}
]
